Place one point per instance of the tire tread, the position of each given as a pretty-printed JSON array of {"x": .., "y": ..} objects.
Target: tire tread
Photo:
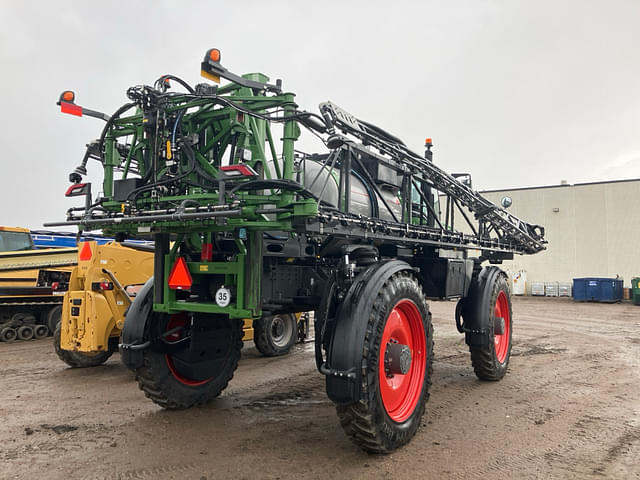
[
  {"x": 160, "y": 388},
  {"x": 357, "y": 419}
]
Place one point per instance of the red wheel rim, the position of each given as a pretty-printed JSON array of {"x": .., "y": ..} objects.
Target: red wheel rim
[
  {"x": 175, "y": 321},
  {"x": 502, "y": 341},
  {"x": 401, "y": 393}
]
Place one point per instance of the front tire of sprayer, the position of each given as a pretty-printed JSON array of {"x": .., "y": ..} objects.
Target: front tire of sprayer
[
  {"x": 78, "y": 359},
  {"x": 275, "y": 335},
  {"x": 196, "y": 374},
  {"x": 393, "y": 402},
  {"x": 491, "y": 360}
]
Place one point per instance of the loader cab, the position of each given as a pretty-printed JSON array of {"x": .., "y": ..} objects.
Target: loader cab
[{"x": 15, "y": 239}]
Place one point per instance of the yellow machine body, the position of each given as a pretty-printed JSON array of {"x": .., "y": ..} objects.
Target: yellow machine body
[
  {"x": 90, "y": 314},
  {"x": 20, "y": 269}
]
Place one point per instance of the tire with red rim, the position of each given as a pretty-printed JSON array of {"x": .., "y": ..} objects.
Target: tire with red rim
[
  {"x": 491, "y": 360},
  {"x": 397, "y": 362},
  {"x": 189, "y": 371}
]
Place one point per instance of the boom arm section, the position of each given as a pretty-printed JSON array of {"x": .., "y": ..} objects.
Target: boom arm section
[
  {"x": 526, "y": 238},
  {"x": 206, "y": 160}
]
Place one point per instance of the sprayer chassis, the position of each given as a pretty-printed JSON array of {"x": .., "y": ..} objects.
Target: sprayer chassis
[{"x": 355, "y": 234}]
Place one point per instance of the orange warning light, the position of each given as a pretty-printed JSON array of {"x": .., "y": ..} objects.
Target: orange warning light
[
  {"x": 214, "y": 55},
  {"x": 68, "y": 96}
]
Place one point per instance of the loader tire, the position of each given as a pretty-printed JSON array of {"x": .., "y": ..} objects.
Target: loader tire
[
  {"x": 78, "y": 359},
  {"x": 8, "y": 334},
  {"x": 275, "y": 335},
  {"x": 490, "y": 361},
  {"x": 53, "y": 318},
  {"x": 391, "y": 408},
  {"x": 165, "y": 377}
]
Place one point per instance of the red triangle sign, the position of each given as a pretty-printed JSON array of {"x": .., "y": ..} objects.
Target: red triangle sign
[
  {"x": 85, "y": 253},
  {"x": 180, "y": 278}
]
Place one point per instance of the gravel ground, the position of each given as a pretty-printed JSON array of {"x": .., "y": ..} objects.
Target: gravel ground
[{"x": 569, "y": 407}]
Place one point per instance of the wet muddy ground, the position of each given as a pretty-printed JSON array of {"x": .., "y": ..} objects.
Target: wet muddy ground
[{"x": 568, "y": 408}]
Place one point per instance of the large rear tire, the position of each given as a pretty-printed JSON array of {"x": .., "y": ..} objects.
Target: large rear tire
[
  {"x": 397, "y": 363},
  {"x": 490, "y": 361},
  {"x": 54, "y": 315},
  {"x": 275, "y": 335},
  {"x": 194, "y": 375},
  {"x": 78, "y": 359}
]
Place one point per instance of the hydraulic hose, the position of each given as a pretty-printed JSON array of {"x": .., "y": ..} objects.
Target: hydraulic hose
[
  {"x": 192, "y": 165},
  {"x": 375, "y": 211}
]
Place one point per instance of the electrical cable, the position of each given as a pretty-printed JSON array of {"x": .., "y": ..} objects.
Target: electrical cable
[
  {"x": 288, "y": 185},
  {"x": 160, "y": 81}
]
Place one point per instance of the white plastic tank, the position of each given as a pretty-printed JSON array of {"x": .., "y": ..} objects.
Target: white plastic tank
[
  {"x": 518, "y": 282},
  {"x": 551, "y": 289},
  {"x": 564, "y": 289},
  {"x": 537, "y": 289}
]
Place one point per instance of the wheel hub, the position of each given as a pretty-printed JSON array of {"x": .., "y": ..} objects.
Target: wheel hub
[
  {"x": 402, "y": 360},
  {"x": 397, "y": 359},
  {"x": 498, "y": 326},
  {"x": 278, "y": 327}
]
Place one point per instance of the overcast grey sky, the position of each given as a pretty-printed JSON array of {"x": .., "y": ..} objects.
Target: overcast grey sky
[{"x": 519, "y": 93}]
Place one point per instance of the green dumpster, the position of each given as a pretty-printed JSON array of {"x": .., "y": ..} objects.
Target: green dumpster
[{"x": 635, "y": 290}]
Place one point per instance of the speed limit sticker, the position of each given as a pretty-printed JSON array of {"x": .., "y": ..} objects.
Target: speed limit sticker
[{"x": 223, "y": 297}]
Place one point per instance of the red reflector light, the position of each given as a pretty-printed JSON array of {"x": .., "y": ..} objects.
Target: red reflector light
[
  {"x": 207, "y": 252},
  {"x": 180, "y": 278},
  {"x": 71, "y": 108},
  {"x": 76, "y": 190},
  {"x": 101, "y": 286},
  {"x": 85, "y": 253},
  {"x": 239, "y": 170}
]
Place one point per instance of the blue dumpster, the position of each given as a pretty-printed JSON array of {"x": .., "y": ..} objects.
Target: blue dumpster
[{"x": 594, "y": 289}]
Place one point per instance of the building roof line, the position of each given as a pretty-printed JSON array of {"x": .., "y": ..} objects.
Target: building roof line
[{"x": 559, "y": 186}]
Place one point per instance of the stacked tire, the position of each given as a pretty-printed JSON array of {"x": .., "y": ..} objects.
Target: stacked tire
[{"x": 25, "y": 326}]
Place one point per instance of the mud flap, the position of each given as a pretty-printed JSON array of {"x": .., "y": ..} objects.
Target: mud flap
[
  {"x": 134, "y": 327},
  {"x": 343, "y": 367},
  {"x": 475, "y": 307}
]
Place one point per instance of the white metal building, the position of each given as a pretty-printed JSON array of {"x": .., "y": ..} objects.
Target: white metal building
[{"x": 593, "y": 230}]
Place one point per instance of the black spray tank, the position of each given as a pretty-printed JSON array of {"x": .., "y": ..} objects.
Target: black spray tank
[{"x": 324, "y": 182}]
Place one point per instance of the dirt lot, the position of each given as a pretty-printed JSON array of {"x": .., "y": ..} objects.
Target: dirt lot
[{"x": 568, "y": 408}]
